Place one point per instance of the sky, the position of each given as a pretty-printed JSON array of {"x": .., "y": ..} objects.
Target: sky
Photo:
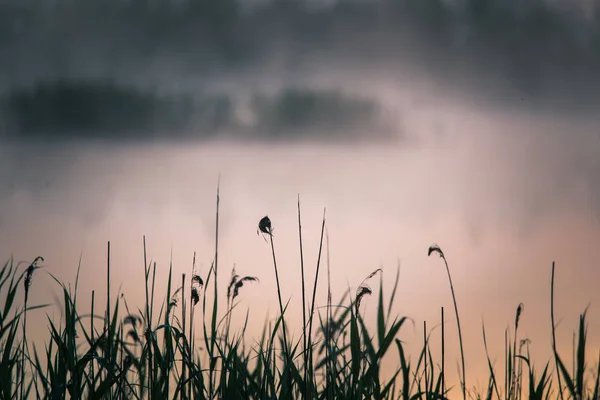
[{"x": 470, "y": 124}]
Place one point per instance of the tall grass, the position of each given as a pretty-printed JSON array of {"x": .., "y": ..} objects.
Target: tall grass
[
  {"x": 151, "y": 352},
  {"x": 463, "y": 383}
]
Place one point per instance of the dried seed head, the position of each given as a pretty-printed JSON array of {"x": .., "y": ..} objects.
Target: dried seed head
[
  {"x": 240, "y": 283},
  {"x": 360, "y": 292},
  {"x": 197, "y": 280},
  {"x": 195, "y": 295},
  {"x": 520, "y": 309},
  {"x": 29, "y": 275},
  {"x": 234, "y": 278},
  {"x": 372, "y": 274},
  {"x": 364, "y": 289},
  {"x": 434, "y": 248},
  {"x": 37, "y": 260},
  {"x": 196, "y": 285},
  {"x": 265, "y": 226}
]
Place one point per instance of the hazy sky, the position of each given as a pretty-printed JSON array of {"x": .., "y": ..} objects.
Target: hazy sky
[{"x": 413, "y": 122}]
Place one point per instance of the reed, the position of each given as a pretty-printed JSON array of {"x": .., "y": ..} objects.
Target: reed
[{"x": 148, "y": 353}]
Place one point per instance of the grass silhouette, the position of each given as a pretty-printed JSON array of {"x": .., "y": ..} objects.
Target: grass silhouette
[{"x": 151, "y": 353}]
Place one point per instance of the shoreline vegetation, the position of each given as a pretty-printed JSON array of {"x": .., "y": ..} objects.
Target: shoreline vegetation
[{"x": 182, "y": 346}]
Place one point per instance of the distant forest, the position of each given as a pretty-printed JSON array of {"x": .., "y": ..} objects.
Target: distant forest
[{"x": 105, "y": 110}]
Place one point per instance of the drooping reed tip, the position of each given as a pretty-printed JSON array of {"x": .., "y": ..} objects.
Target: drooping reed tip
[
  {"x": 434, "y": 248},
  {"x": 364, "y": 289},
  {"x": 360, "y": 293},
  {"x": 196, "y": 279},
  {"x": 29, "y": 274},
  {"x": 240, "y": 283},
  {"x": 264, "y": 225}
]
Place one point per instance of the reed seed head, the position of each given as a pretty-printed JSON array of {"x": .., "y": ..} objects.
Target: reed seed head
[
  {"x": 197, "y": 284},
  {"x": 372, "y": 274},
  {"x": 364, "y": 289},
  {"x": 520, "y": 309},
  {"x": 361, "y": 291},
  {"x": 264, "y": 225},
  {"x": 197, "y": 280},
  {"x": 434, "y": 248},
  {"x": 195, "y": 295},
  {"x": 29, "y": 275},
  {"x": 240, "y": 283},
  {"x": 234, "y": 278}
]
